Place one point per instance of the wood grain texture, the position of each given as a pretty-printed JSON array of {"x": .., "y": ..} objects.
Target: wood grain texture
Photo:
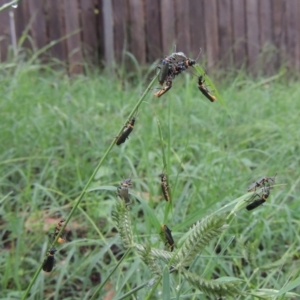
[
  {"x": 197, "y": 28},
  {"x": 182, "y": 26},
  {"x": 5, "y": 33},
  {"x": 38, "y": 25},
  {"x": 153, "y": 30},
  {"x": 108, "y": 32},
  {"x": 267, "y": 49},
  {"x": 88, "y": 30},
  {"x": 292, "y": 32},
  {"x": 225, "y": 32},
  {"x": 137, "y": 30},
  {"x": 297, "y": 37},
  {"x": 167, "y": 26},
  {"x": 246, "y": 32},
  {"x": 253, "y": 45},
  {"x": 22, "y": 21},
  {"x": 211, "y": 33},
  {"x": 265, "y": 21},
  {"x": 75, "y": 57},
  {"x": 278, "y": 29},
  {"x": 239, "y": 32},
  {"x": 100, "y": 31},
  {"x": 56, "y": 29},
  {"x": 121, "y": 28}
]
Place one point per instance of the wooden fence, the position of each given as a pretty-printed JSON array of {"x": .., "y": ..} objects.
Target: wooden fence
[{"x": 259, "y": 34}]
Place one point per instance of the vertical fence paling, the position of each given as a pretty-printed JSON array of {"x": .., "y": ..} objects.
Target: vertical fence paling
[
  {"x": 197, "y": 28},
  {"x": 73, "y": 28},
  {"x": 252, "y": 33},
  {"x": 278, "y": 26},
  {"x": 137, "y": 26},
  {"x": 167, "y": 13},
  {"x": 120, "y": 21},
  {"x": 239, "y": 29},
  {"x": 152, "y": 26},
  {"x": 38, "y": 28},
  {"x": 212, "y": 49},
  {"x": 225, "y": 32},
  {"x": 228, "y": 31},
  {"x": 182, "y": 22},
  {"x": 5, "y": 39},
  {"x": 265, "y": 35},
  {"x": 87, "y": 15},
  {"x": 56, "y": 28},
  {"x": 108, "y": 32}
]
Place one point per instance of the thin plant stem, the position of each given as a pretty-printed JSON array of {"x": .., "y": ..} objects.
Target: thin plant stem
[
  {"x": 158, "y": 280},
  {"x": 137, "y": 288},
  {"x": 13, "y": 32},
  {"x": 162, "y": 145},
  {"x": 88, "y": 184},
  {"x": 113, "y": 270},
  {"x": 9, "y": 4}
]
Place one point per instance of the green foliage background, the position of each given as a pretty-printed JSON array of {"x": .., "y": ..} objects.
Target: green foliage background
[{"x": 54, "y": 131}]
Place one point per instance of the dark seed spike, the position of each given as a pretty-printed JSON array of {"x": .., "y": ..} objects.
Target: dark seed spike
[{"x": 123, "y": 193}]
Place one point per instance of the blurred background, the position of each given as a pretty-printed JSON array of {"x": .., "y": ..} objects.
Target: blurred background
[
  {"x": 231, "y": 33},
  {"x": 55, "y": 129}
]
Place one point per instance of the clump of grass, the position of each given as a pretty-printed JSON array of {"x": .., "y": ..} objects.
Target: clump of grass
[
  {"x": 151, "y": 260},
  {"x": 83, "y": 192},
  {"x": 214, "y": 288},
  {"x": 123, "y": 221},
  {"x": 53, "y": 147},
  {"x": 200, "y": 236}
]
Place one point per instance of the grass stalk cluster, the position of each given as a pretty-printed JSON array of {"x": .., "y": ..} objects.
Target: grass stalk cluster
[{"x": 57, "y": 132}]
